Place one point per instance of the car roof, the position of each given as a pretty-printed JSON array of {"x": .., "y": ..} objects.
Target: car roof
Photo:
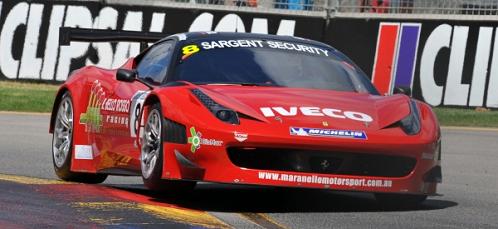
[{"x": 192, "y": 36}]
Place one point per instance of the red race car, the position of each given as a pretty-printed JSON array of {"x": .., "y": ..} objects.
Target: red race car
[{"x": 244, "y": 109}]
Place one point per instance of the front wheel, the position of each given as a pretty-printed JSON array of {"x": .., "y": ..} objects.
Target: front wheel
[
  {"x": 62, "y": 145},
  {"x": 151, "y": 156},
  {"x": 400, "y": 200}
]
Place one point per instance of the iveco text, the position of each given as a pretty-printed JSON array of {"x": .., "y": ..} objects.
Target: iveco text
[{"x": 316, "y": 111}]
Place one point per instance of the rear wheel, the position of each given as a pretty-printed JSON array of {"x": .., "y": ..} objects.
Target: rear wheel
[
  {"x": 62, "y": 145},
  {"x": 400, "y": 200},
  {"x": 151, "y": 156}
]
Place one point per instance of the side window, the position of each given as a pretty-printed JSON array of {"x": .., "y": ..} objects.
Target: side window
[{"x": 154, "y": 65}]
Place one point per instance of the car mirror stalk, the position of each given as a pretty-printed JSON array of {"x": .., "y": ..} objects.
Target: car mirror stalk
[{"x": 127, "y": 75}]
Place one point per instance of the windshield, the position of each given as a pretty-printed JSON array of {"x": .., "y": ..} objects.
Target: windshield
[{"x": 269, "y": 63}]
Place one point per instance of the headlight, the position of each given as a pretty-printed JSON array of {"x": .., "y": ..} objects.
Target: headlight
[
  {"x": 411, "y": 123},
  {"x": 225, "y": 115},
  {"x": 222, "y": 113}
]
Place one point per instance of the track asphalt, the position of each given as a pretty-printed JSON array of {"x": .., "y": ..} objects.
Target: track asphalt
[{"x": 32, "y": 197}]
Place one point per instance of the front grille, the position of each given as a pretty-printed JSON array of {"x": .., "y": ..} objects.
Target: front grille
[{"x": 325, "y": 162}]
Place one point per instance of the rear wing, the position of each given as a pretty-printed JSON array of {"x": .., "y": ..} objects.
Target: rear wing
[{"x": 67, "y": 34}]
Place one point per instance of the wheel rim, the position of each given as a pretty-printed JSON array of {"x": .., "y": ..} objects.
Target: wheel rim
[
  {"x": 63, "y": 132},
  {"x": 151, "y": 143}
]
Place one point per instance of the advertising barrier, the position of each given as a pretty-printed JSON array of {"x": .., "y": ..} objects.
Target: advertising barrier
[
  {"x": 446, "y": 63},
  {"x": 450, "y": 63},
  {"x": 29, "y": 32}
]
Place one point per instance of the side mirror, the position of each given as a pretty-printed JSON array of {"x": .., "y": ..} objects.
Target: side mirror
[
  {"x": 126, "y": 75},
  {"x": 403, "y": 90}
]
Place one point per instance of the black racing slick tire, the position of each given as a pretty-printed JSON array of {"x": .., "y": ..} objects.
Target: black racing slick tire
[
  {"x": 152, "y": 155},
  {"x": 62, "y": 145}
]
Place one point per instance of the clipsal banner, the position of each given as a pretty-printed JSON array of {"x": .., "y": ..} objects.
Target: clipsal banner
[
  {"x": 29, "y": 32},
  {"x": 450, "y": 63},
  {"x": 398, "y": 46}
]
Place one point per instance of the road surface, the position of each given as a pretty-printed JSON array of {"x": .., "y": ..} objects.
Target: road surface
[{"x": 31, "y": 196}]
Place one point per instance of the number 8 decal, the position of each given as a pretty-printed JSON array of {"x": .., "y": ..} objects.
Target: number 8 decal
[
  {"x": 189, "y": 50},
  {"x": 137, "y": 102}
]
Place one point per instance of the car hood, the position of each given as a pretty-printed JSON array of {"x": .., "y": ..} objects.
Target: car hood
[{"x": 299, "y": 107}]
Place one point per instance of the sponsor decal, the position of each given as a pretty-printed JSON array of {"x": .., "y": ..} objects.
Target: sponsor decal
[
  {"x": 195, "y": 140},
  {"x": 83, "y": 152},
  {"x": 120, "y": 160},
  {"x": 211, "y": 142},
  {"x": 92, "y": 118},
  {"x": 316, "y": 111},
  {"x": 297, "y": 47},
  {"x": 110, "y": 159},
  {"x": 99, "y": 106},
  {"x": 396, "y": 46},
  {"x": 189, "y": 50},
  {"x": 117, "y": 120},
  {"x": 471, "y": 62},
  {"x": 335, "y": 181},
  {"x": 316, "y": 132},
  {"x": 218, "y": 44},
  {"x": 241, "y": 137},
  {"x": 232, "y": 44},
  {"x": 116, "y": 105}
]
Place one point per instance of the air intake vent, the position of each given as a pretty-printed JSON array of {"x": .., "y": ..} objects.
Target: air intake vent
[
  {"x": 208, "y": 102},
  {"x": 222, "y": 113},
  {"x": 325, "y": 162},
  {"x": 174, "y": 132}
]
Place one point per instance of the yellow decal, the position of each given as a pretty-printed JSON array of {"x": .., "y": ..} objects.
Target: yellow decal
[{"x": 189, "y": 50}]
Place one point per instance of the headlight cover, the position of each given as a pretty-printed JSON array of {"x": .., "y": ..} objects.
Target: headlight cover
[
  {"x": 222, "y": 113},
  {"x": 411, "y": 123}
]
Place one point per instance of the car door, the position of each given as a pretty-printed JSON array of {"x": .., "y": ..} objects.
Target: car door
[{"x": 127, "y": 104}]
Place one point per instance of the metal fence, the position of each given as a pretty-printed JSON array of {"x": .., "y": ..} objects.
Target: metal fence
[
  {"x": 451, "y": 7},
  {"x": 435, "y": 7},
  {"x": 287, "y": 5}
]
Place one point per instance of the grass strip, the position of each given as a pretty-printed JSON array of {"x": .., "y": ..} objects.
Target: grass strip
[
  {"x": 467, "y": 117},
  {"x": 27, "y": 97},
  {"x": 33, "y": 97}
]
